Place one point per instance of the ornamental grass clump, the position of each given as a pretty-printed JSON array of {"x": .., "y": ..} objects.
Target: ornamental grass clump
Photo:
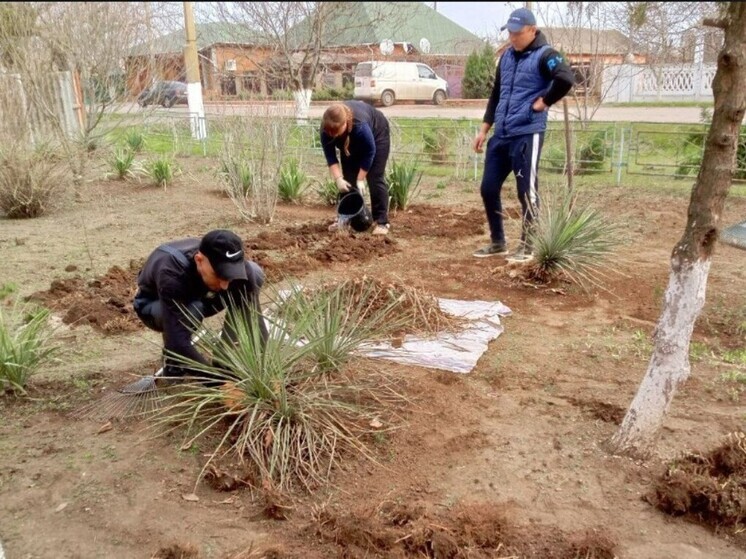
[
  {"x": 284, "y": 406},
  {"x": 574, "y": 241},
  {"x": 25, "y": 345}
]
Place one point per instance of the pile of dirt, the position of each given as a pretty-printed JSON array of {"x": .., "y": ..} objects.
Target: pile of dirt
[
  {"x": 432, "y": 221},
  {"x": 104, "y": 303},
  {"x": 355, "y": 248},
  {"x": 479, "y": 530},
  {"x": 708, "y": 488}
]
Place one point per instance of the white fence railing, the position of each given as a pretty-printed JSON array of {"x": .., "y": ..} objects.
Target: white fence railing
[{"x": 628, "y": 83}]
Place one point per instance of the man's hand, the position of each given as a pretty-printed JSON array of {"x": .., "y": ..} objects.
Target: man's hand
[
  {"x": 479, "y": 142},
  {"x": 362, "y": 187},
  {"x": 539, "y": 106},
  {"x": 342, "y": 184}
]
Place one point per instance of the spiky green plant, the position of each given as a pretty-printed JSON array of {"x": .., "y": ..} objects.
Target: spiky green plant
[
  {"x": 269, "y": 403},
  {"x": 573, "y": 240},
  {"x": 235, "y": 171},
  {"x": 134, "y": 140},
  {"x": 162, "y": 171},
  {"x": 404, "y": 182},
  {"x": 292, "y": 183},
  {"x": 123, "y": 163},
  {"x": 339, "y": 320},
  {"x": 25, "y": 345},
  {"x": 327, "y": 192}
]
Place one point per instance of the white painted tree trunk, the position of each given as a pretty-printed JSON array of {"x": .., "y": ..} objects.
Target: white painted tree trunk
[
  {"x": 691, "y": 257},
  {"x": 302, "y": 104},
  {"x": 669, "y": 363}
]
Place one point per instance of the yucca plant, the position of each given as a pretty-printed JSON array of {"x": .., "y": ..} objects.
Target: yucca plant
[
  {"x": 134, "y": 140},
  {"x": 339, "y": 319},
  {"x": 327, "y": 192},
  {"x": 25, "y": 345},
  {"x": 123, "y": 163},
  {"x": 162, "y": 171},
  {"x": 235, "y": 172},
  {"x": 404, "y": 182},
  {"x": 573, "y": 240},
  {"x": 292, "y": 183},
  {"x": 269, "y": 404}
]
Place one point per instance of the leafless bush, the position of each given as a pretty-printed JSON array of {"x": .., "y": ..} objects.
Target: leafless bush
[
  {"x": 30, "y": 182},
  {"x": 262, "y": 138}
]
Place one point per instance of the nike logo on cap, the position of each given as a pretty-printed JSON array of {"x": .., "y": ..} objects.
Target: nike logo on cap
[{"x": 232, "y": 254}]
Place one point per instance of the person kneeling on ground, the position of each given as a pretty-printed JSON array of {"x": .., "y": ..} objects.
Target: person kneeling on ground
[{"x": 201, "y": 277}]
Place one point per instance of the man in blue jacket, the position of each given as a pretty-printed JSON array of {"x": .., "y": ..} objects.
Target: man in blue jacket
[{"x": 531, "y": 76}]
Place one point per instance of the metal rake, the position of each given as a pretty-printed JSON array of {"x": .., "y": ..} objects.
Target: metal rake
[{"x": 136, "y": 399}]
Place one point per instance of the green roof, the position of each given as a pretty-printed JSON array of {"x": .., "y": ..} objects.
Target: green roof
[
  {"x": 360, "y": 23},
  {"x": 207, "y": 34}
]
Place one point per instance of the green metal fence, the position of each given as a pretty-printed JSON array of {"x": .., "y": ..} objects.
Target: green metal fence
[{"x": 444, "y": 147}]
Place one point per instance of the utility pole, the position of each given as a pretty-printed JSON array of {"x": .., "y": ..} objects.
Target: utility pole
[{"x": 194, "y": 86}]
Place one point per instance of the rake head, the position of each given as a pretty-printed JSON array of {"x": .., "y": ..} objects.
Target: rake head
[{"x": 136, "y": 399}]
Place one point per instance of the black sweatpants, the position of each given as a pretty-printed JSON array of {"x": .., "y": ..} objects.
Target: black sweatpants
[{"x": 379, "y": 188}]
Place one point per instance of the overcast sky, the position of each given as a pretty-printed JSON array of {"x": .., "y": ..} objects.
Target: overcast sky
[{"x": 485, "y": 18}]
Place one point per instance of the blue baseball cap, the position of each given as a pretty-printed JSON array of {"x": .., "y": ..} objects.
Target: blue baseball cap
[{"x": 519, "y": 19}]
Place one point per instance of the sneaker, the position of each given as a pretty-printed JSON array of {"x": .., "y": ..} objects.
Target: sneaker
[
  {"x": 381, "y": 229},
  {"x": 523, "y": 253},
  {"x": 494, "y": 249}
]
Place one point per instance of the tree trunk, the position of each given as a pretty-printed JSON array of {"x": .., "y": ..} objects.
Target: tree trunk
[{"x": 690, "y": 260}]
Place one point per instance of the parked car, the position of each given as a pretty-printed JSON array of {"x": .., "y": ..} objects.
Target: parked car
[
  {"x": 388, "y": 82},
  {"x": 166, "y": 93}
]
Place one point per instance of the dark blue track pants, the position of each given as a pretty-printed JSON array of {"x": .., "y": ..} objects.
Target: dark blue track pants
[{"x": 519, "y": 154}]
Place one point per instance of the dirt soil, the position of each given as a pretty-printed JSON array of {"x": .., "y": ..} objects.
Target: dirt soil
[{"x": 506, "y": 461}]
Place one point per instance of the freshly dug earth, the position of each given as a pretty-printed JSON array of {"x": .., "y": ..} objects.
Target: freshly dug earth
[
  {"x": 505, "y": 461},
  {"x": 708, "y": 488}
]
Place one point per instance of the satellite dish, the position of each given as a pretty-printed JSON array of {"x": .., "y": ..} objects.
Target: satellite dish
[
  {"x": 424, "y": 45},
  {"x": 387, "y": 47}
]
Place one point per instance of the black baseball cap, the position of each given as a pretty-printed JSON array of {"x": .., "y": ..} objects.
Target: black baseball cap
[
  {"x": 224, "y": 250},
  {"x": 519, "y": 19}
]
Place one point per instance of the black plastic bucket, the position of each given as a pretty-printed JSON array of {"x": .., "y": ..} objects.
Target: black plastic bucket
[{"x": 353, "y": 211}]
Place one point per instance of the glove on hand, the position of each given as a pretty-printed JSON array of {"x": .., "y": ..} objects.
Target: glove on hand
[
  {"x": 362, "y": 187},
  {"x": 342, "y": 184}
]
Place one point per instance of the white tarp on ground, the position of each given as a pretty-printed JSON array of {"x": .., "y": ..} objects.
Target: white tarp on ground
[
  {"x": 735, "y": 235},
  {"x": 457, "y": 352}
]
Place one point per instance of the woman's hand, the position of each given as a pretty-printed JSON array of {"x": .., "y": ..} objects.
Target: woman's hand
[{"x": 342, "y": 184}]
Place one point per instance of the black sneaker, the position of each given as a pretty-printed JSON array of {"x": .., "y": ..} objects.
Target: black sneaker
[{"x": 494, "y": 249}]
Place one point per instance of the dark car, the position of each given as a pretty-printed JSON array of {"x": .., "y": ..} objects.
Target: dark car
[{"x": 167, "y": 93}]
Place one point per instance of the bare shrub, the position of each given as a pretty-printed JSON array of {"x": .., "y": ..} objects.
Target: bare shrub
[
  {"x": 30, "y": 182},
  {"x": 262, "y": 137}
]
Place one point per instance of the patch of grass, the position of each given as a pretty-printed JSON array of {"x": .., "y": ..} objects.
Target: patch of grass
[
  {"x": 7, "y": 289},
  {"x": 735, "y": 356},
  {"x": 25, "y": 345}
]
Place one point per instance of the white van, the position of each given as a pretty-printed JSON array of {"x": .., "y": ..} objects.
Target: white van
[{"x": 388, "y": 82}]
